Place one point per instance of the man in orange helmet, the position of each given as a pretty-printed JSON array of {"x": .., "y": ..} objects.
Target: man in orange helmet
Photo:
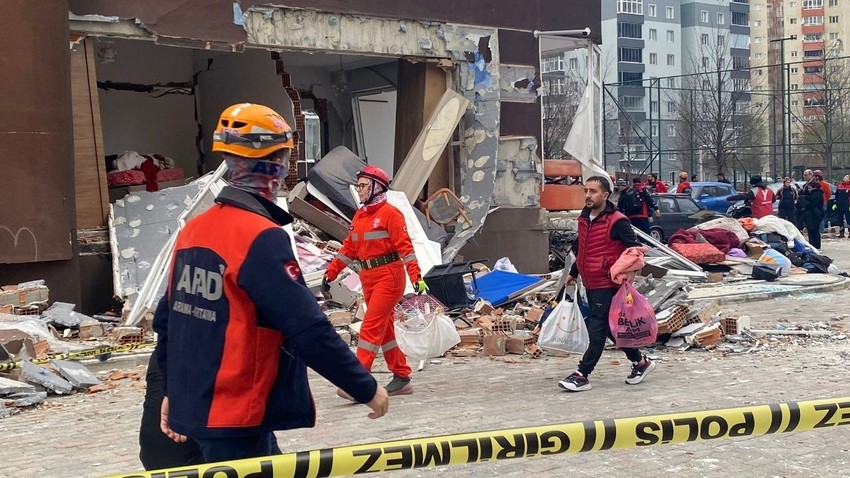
[
  {"x": 379, "y": 246},
  {"x": 238, "y": 326}
]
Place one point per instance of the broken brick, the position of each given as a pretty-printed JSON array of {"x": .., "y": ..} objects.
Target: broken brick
[
  {"x": 494, "y": 345},
  {"x": 515, "y": 345}
]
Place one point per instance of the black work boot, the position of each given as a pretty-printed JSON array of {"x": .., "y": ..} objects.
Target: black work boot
[{"x": 399, "y": 386}]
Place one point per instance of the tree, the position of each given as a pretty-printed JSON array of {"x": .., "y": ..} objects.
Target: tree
[
  {"x": 559, "y": 103},
  {"x": 825, "y": 121},
  {"x": 715, "y": 111}
]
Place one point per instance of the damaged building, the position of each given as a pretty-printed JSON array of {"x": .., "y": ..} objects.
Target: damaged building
[{"x": 104, "y": 84}]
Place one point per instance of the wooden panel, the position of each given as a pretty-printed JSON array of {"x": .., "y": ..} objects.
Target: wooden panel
[
  {"x": 431, "y": 142},
  {"x": 314, "y": 216},
  {"x": 89, "y": 166}
]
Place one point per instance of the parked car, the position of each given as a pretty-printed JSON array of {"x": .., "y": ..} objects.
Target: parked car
[
  {"x": 712, "y": 195},
  {"x": 678, "y": 211}
]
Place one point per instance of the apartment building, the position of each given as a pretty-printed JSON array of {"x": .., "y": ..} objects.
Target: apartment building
[{"x": 651, "y": 50}]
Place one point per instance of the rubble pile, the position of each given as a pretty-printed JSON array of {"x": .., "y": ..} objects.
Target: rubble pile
[{"x": 35, "y": 336}]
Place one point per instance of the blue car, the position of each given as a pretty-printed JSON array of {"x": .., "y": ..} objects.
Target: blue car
[{"x": 712, "y": 195}]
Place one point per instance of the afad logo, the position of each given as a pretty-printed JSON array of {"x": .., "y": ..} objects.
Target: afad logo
[{"x": 292, "y": 270}]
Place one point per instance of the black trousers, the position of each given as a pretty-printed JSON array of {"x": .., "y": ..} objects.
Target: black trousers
[
  {"x": 641, "y": 223},
  {"x": 813, "y": 227},
  {"x": 787, "y": 213},
  {"x": 598, "y": 330},
  {"x": 157, "y": 451}
]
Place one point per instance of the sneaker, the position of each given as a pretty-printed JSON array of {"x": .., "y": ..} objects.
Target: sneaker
[
  {"x": 399, "y": 386},
  {"x": 340, "y": 393},
  {"x": 576, "y": 382},
  {"x": 640, "y": 372}
]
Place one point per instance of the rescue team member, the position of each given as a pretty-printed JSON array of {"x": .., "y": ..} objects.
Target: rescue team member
[
  {"x": 603, "y": 234},
  {"x": 684, "y": 186},
  {"x": 760, "y": 198},
  {"x": 636, "y": 202},
  {"x": 655, "y": 185},
  {"x": 238, "y": 326},
  {"x": 379, "y": 246}
]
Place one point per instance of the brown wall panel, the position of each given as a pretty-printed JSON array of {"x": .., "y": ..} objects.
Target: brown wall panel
[
  {"x": 520, "y": 119},
  {"x": 518, "y": 48},
  {"x": 36, "y": 146}
]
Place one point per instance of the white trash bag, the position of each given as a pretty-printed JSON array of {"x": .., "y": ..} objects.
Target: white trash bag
[
  {"x": 422, "y": 330},
  {"x": 564, "y": 329}
]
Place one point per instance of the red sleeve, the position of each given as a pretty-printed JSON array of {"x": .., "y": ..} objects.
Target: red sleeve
[
  {"x": 401, "y": 242},
  {"x": 345, "y": 256},
  {"x": 662, "y": 188}
]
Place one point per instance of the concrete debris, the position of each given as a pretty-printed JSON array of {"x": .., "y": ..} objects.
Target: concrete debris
[
  {"x": 62, "y": 313},
  {"x": 44, "y": 377},
  {"x": 7, "y": 412},
  {"x": 76, "y": 373},
  {"x": 11, "y": 387},
  {"x": 26, "y": 399}
]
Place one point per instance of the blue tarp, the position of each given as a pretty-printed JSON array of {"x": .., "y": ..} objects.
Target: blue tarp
[{"x": 495, "y": 287}]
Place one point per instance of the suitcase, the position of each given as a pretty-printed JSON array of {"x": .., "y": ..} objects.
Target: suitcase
[{"x": 766, "y": 271}]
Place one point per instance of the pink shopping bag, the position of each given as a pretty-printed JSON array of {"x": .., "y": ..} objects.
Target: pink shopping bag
[{"x": 632, "y": 319}]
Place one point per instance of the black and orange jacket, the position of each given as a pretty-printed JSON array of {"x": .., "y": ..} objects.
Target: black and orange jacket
[{"x": 238, "y": 327}]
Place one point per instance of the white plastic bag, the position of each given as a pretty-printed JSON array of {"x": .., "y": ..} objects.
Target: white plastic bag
[
  {"x": 422, "y": 339},
  {"x": 564, "y": 329}
]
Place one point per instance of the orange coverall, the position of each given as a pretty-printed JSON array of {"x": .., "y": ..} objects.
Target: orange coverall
[{"x": 377, "y": 230}]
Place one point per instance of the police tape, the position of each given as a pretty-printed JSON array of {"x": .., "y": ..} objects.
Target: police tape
[
  {"x": 79, "y": 355},
  {"x": 591, "y": 435}
]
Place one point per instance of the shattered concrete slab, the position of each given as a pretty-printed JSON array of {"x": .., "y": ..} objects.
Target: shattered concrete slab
[
  {"x": 41, "y": 376},
  {"x": 63, "y": 314},
  {"x": 76, "y": 373},
  {"x": 7, "y": 412},
  {"x": 11, "y": 387},
  {"x": 27, "y": 399}
]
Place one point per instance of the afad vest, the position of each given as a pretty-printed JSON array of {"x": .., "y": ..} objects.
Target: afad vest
[
  {"x": 597, "y": 252},
  {"x": 762, "y": 205}
]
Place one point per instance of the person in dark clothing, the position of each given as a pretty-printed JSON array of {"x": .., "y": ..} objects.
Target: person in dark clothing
[
  {"x": 721, "y": 178},
  {"x": 636, "y": 203},
  {"x": 238, "y": 327},
  {"x": 604, "y": 233},
  {"x": 156, "y": 450},
  {"x": 787, "y": 198},
  {"x": 812, "y": 212},
  {"x": 842, "y": 204}
]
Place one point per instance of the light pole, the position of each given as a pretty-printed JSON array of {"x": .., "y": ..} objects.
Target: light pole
[{"x": 786, "y": 157}]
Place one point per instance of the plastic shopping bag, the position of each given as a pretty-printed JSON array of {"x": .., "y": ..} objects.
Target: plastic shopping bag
[
  {"x": 564, "y": 329},
  {"x": 423, "y": 339},
  {"x": 632, "y": 319}
]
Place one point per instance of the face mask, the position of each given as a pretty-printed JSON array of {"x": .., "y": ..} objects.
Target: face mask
[{"x": 263, "y": 178}]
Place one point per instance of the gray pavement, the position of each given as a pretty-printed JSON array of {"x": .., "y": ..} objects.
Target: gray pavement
[{"x": 96, "y": 435}]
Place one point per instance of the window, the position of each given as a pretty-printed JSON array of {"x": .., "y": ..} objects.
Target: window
[
  {"x": 757, "y": 40},
  {"x": 671, "y": 60},
  {"x": 633, "y": 103},
  {"x": 653, "y": 58},
  {"x": 573, "y": 63},
  {"x": 703, "y": 39},
  {"x": 813, "y": 70},
  {"x": 759, "y": 72},
  {"x": 651, "y": 11},
  {"x": 630, "y": 6},
  {"x": 809, "y": 4},
  {"x": 629, "y": 78},
  {"x": 667, "y": 204},
  {"x": 706, "y": 85},
  {"x": 794, "y": 86},
  {"x": 742, "y": 107},
  {"x": 687, "y": 206},
  {"x": 756, "y": 23},
  {"x": 740, "y": 62},
  {"x": 630, "y": 55},
  {"x": 671, "y": 107},
  {"x": 813, "y": 54},
  {"x": 794, "y": 70},
  {"x": 793, "y": 21},
  {"x": 670, "y": 13},
  {"x": 653, "y": 34},
  {"x": 671, "y": 82},
  {"x": 629, "y": 30},
  {"x": 810, "y": 37},
  {"x": 654, "y": 131},
  {"x": 721, "y": 40},
  {"x": 553, "y": 63},
  {"x": 670, "y": 36},
  {"x": 721, "y": 19},
  {"x": 794, "y": 54},
  {"x": 740, "y": 84},
  {"x": 703, "y": 16},
  {"x": 741, "y": 19},
  {"x": 833, "y": 19},
  {"x": 833, "y": 36},
  {"x": 653, "y": 106},
  {"x": 818, "y": 20},
  {"x": 795, "y": 102},
  {"x": 759, "y": 56},
  {"x": 833, "y": 3},
  {"x": 705, "y": 62},
  {"x": 795, "y": 135}
]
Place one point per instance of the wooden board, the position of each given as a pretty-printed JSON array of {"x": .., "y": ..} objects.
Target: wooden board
[
  {"x": 89, "y": 166},
  {"x": 311, "y": 214}
]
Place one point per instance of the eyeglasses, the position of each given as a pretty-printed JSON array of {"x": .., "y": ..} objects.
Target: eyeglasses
[{"x": 361, "y": 186}]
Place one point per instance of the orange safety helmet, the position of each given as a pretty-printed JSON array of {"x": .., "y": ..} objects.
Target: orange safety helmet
[
  {"x": 375, "y": 173},
  {"x": 251, "y": 131}
]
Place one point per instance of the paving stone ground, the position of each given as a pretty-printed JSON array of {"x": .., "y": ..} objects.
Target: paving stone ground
[{"x": 96, "y": 435}]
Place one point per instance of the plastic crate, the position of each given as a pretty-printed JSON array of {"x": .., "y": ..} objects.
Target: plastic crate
[{"x": 446, "y": 284}]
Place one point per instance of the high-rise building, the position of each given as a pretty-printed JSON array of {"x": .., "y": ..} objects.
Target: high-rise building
[{"x": 660, "y": 58}]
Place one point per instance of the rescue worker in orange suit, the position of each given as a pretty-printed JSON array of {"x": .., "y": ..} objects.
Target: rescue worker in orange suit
[
  {"x": 379, "y": 247},
  {"x": 238, "y": 326}
]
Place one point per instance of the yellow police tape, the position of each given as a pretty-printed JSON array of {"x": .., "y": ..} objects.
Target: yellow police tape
[
  {"x": 591, "y": 435},
  {"x": 79, "y": 355}
]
